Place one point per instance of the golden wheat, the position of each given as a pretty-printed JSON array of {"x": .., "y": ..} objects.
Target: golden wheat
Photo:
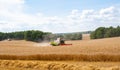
[
  {"x": 56, "y": 65},
  {"x": 107, "y": 49},
  {"x": 63, "y": 57}
]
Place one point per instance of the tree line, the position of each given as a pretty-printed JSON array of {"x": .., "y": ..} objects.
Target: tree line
[
  {"x": 38, "y": 36},
  {"x": 31, "y": 35},
  {"x": 103, "y": 32}
]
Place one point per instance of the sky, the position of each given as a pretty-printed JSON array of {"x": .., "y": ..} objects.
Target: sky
[{"x": 58, "y": 16}]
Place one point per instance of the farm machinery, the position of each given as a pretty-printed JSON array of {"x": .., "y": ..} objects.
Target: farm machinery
[{"x": 59, "y": 42}]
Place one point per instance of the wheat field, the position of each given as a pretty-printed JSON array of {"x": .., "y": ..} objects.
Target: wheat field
[
  {"x": 86, "y": 54},
  {"x": 107, "y": 49},
  {"x": 102, "y": 46},
  {"x": 57, "y": 65}
]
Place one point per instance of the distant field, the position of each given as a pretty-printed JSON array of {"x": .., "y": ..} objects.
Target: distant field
[
  {"x": 85, "y": 36},
  {"x": 107, "y": 49},
  {"x": 21, "y": 47}
]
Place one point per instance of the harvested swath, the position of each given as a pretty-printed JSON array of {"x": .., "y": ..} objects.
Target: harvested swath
[
  {"x": 63, "y": 57},
  {"x": 47, "y": 65}
]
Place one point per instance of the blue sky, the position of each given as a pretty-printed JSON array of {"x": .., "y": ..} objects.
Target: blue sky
[
  {"x": 58, "y": 16},
  {"x": 63, "y": 7}
]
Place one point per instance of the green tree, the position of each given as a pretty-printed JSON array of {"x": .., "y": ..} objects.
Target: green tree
[
  {"x": 103, "y": 32},
  {"x": 1, "y": 36},
  {"x": 93, "y": 35},
  {"x": 28, "y": 35},
  {"x": 109, "y": 32}
]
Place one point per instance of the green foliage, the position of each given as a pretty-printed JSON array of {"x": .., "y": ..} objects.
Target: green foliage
[
  {"x": 30, "y": 35},
  {"x": 1, "y": 36},
  {"x": 36, "y": 36},
  {"x": 103, "y": 32},
  {"x": 18, "y": 35},
  {"x": 93, "y": 35}
]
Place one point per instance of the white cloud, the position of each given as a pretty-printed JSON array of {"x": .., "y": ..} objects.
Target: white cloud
[{"x": 13, "y": 18}]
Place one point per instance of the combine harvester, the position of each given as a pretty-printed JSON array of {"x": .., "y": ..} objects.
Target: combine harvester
[{"x": 59, "y": 42}]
